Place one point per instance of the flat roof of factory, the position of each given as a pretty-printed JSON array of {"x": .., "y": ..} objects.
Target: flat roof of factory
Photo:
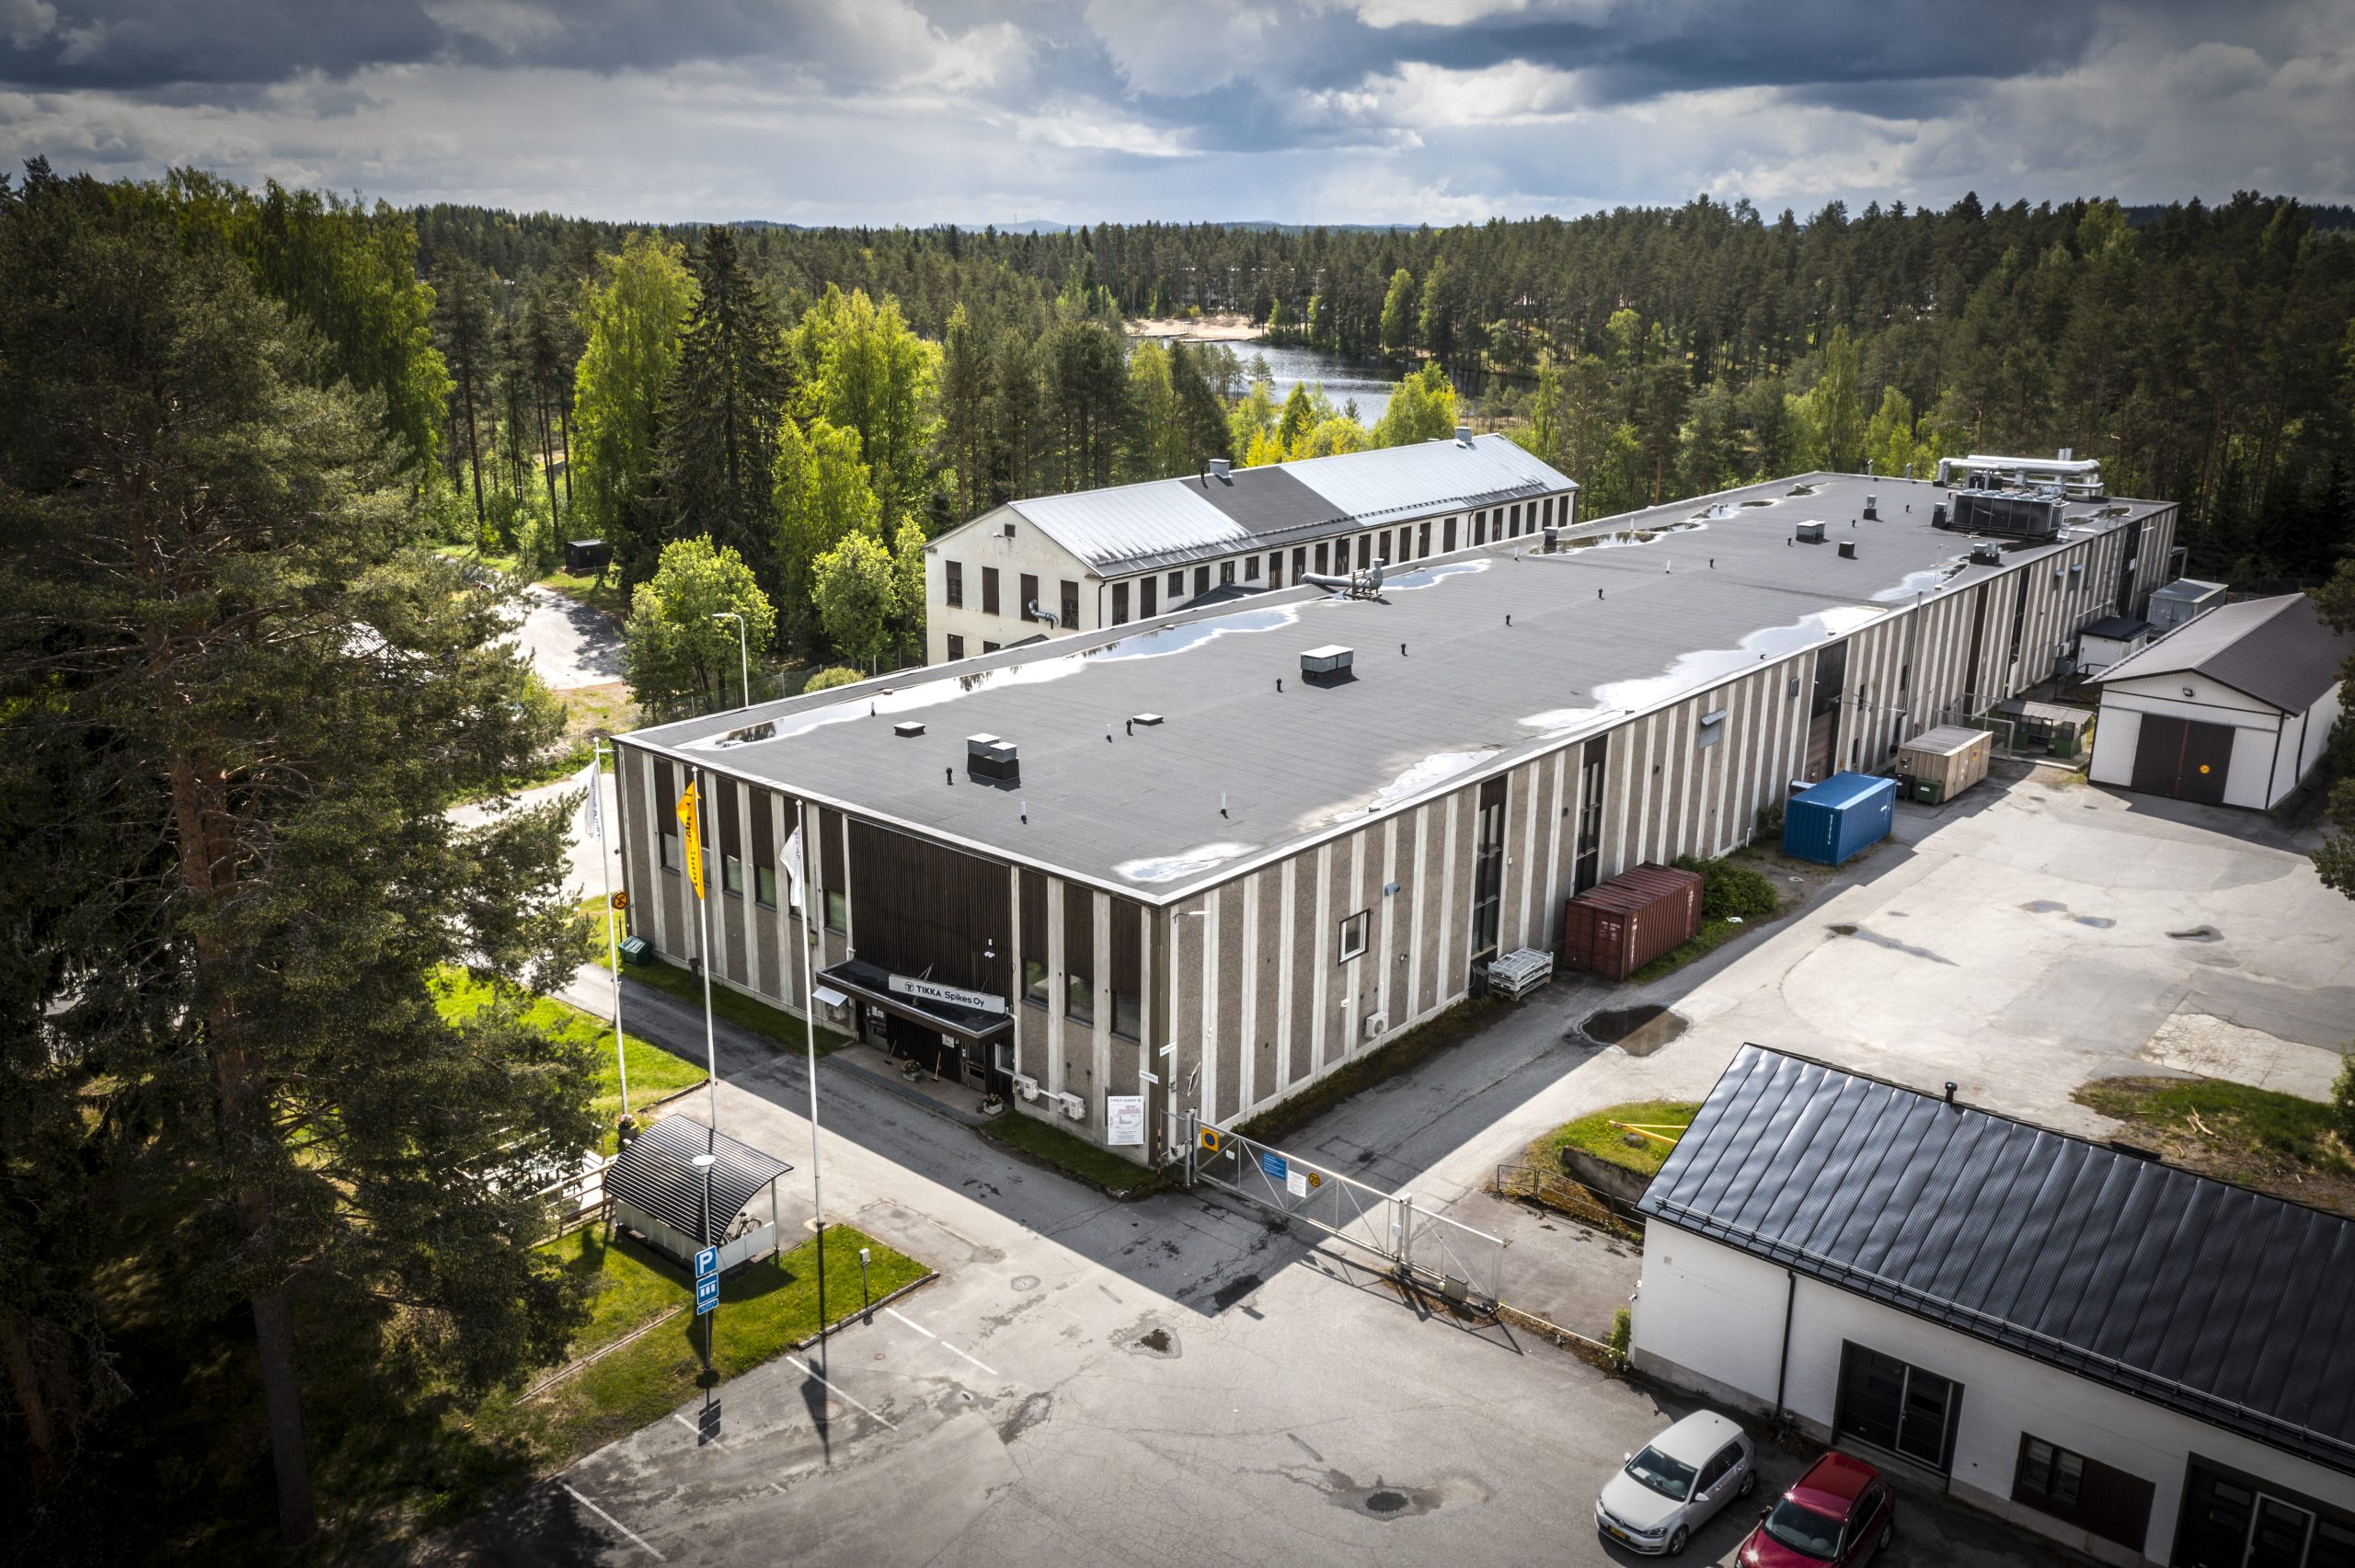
[{"x": 1637, "y": 611}]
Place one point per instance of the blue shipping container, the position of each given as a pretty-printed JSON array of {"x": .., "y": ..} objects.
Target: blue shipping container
[{"x": 1829, "y": 822}]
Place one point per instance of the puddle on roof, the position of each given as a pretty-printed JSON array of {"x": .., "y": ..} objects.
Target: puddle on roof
[
  {"x": 1188, "y": 863},
  {"x": 1929, "y": 579},
  {"x": 1767, "y": 503},
  {"x": 1433, "y": 770},
  {"x": 927, "y": 694},
  {"x": 1692, "y": 670},
  {"x": 1425, "y": 577}
]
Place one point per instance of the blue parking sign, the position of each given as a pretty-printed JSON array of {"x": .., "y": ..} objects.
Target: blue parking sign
[
  {"x": 1273, "y": 1164},
  {"x": 707, "y": 1262},
  {"x": 706, "y": 1293}
]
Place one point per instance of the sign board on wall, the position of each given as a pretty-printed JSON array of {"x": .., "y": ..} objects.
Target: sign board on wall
[
  {"x": 1124, "y": 1118},
  {"x": 956, "y": 996}
]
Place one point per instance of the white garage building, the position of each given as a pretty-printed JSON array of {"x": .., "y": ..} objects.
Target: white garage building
[
  {"x": 2148, "y": 1365},
  {"x": 2233, "y": 709}
]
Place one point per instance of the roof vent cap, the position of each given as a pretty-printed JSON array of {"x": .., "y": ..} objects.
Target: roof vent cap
[
  {"x": 1328, "y": 665},
  {"x": 1464, "y": 435},
  {"x": 987, "y": 756},
  {"x": 1221, "y": 468},
  {"x": 1810, "y": 533}
]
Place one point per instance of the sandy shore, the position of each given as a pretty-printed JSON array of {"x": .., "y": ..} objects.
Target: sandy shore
[{"x": 1208, "y": 330}]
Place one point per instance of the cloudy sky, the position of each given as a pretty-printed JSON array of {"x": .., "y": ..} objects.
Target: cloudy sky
[{"x": 919, "y": 111}]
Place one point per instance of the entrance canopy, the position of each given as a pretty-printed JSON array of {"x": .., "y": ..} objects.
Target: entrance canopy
[
  {"x": 919, "y": 1001},
  {"x": 657, "y": 1176}
]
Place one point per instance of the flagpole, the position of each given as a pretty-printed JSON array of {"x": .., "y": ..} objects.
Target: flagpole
[
  {"x": 613, "y": 940},
  {"x": 703, "y": 913},
  {"x": 812, "y": 950}
]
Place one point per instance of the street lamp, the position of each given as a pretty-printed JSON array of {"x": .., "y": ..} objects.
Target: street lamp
[
  {"x": 703, "y": 1163},
  {"x": 743, "y": 655}
]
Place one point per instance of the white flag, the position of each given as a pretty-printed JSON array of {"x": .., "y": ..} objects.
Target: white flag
[
  {"x": 591, "y": 818},
  {"x": 792, "y": 870}
]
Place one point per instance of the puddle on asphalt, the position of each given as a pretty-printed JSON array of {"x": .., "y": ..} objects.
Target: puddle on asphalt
[
  {"x": 1158, "y": 1341},
  {"x": 1638, "y": 1031},
  {"x": 2045, "y": 906},
  {"x": 1379, "y": 1501},
  {"x": 2098, "y": 921},
  {"x": 2199, "y": 933}
]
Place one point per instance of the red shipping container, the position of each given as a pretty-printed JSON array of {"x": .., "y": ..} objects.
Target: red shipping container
[{"x": 1616, "y": 928}]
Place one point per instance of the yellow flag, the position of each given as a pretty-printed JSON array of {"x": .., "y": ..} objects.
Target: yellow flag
[{"x": 693, "y": 838}]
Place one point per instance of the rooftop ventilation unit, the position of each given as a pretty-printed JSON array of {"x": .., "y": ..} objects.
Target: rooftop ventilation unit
[
  {"x": 1810, "y": 533},
  {"x": 987, "y": 756},
  {"x": 1847, "y": 549},
  {"x": 1938, "y": 514},
  {"x": 1872, "y": 509},
  {"x": 908, "y": 728},
  {"x": 1326, "y": 666},
  {"x": 1987, "y": 554},
  {"x": 1464, "y": 435},
  {"x": 1221, "y": 468},
  {"x": 2009, "y": 514}
]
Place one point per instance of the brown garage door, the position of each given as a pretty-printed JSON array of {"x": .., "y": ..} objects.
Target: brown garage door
[{"x": 2181, "y": 758}]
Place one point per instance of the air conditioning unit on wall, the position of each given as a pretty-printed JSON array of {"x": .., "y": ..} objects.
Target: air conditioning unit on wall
[
  {"x": 1026, "y": 1086},
  {"x": 1074, "y": 1107},
  {"x": 1376, "y": 1024}
]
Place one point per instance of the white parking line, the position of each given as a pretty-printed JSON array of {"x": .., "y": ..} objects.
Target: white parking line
[
  {"x": 942, "y": 1343},
  {"x": 616, "y": 1523},
  {"x": 832, "y": 1390}
]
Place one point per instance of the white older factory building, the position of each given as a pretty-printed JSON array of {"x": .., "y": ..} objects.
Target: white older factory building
[
  {"x": 1129, "y": 553},
  {"x": 1194, "y": 862},
  {"x": 2147, "y": 1365}
]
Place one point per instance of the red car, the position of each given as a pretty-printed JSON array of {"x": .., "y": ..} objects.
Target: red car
[{"x": 1840, "y": 1512}]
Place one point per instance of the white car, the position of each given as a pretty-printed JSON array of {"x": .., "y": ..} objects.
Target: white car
[{"x": 1677, "y": 1484}]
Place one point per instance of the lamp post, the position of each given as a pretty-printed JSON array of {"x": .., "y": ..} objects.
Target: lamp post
[
  {"x": 703, "y": 1163},
  {"x": 743, "y": 654}
]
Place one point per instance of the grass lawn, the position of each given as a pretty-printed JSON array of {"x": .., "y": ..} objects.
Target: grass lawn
[
  {"x": 764, "y": 1307},
  {"x": 654, "y": 1074},
  {"x": 748, "y": 1012},
  {"x": 1073, "y": 1156},
  {"x": 2274, "y": 1142},
  {"x": 1594, "y": 1134},
  {"x": 1712, "y": 934}
]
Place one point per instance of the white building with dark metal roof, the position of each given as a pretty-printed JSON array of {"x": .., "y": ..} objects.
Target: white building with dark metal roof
[
  {"x": 2149, "y": 1364},
  {"x": 1098, "y": 558},
  {"x": 2234, "y": 708},
  {"x": 1207, "y": 860}
]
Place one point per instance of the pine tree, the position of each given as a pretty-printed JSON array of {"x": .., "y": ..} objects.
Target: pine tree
[
  {"x": 632, "y": 317},
  {"x": 721, "y": 410},
  {"x": 465, "y": 332}
]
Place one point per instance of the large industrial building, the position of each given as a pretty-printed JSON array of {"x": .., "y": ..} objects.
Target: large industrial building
[
  {"x": 1076, "y": 563},
  {"x": 1203, "y": 859},
  {"x": 2148, "y": 1365}
]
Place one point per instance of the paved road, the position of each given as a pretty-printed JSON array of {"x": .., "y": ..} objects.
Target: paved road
[{"x": 569, "y": 644}]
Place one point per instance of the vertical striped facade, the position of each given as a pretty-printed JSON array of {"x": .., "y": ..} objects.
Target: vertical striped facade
[{"x": 1243, "y": 984}]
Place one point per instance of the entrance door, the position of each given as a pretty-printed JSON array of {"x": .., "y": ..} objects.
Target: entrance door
[
  {"x": 2182, "y": 758},
  {"x": 2231, "y": 1520}
]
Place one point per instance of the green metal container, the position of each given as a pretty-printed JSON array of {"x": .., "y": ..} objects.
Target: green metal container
[{"x": 635, "y": 951}]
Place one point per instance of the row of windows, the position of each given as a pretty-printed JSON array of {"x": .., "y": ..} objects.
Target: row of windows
[{"x": 1146, "y": 596}]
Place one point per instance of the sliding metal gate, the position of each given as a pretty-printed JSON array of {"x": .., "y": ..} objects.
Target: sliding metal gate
[{"x": 1466, "y": 1265}]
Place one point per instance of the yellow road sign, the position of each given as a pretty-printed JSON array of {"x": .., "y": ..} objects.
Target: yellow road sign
[
  {"x": 621, "y": 900},
  {"x": 1210, "y": 1140}
]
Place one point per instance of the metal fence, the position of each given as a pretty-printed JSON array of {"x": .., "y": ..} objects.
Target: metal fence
[
  {"x": 1564, "y": 1196},
  {"x": 1467, "y": 1265}
]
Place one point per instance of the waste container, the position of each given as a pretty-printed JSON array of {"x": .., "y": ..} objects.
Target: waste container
[{"x": 635, "y": 951}]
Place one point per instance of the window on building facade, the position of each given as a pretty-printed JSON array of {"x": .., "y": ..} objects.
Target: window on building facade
[
  {"x": 1035, "y": 938},
  {"x": 989, "y": 647},
  {"x": 1299, "y": 562},
  {"x": 1120, "y": 605},
  {"x": 731, "y": 876},
  {"x": 764, "y": 849},
  {"x": 989, "y": 590},
  {"x": 1127, "y": 1019},
  {"x": 1029, "y": 596},
  {"x": 1365, "y": 551},
  {"x": 1324, "y": 564},
  {"x": 2098, "y": 1498},
  {"x": 1225, "y": 573},
  {"x": 1422, "y": 541},
  {"x": 1480, "y": 528},
  {"x": 1071, "y": 604},
  {"x": 1251, "y": 569},
  {"x": 1145, "y": 606},
  {"x": 1079, "y": 954},
  {"x": 1488, "y": 867},
  {"x": 1354, "y": 936},
  {"x": 1176, "y": 587},
  {"x": 1201, "y": 581},
  {"x": 955, "y": 590},
  {"x": 1447, "y": 537},
  {"x": 956, "y": 646},
  {"x": 837, "y": 910},
  {"x": 1275, "y": 568}
]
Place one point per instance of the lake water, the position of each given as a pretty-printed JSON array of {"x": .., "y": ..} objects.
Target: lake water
[{"x": 1343, "y": 379}]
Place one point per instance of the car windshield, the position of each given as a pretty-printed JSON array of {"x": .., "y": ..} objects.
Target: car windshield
[
  {"x": 1804, "y": 1530},
  {"x": 1672, "y": 1479}
]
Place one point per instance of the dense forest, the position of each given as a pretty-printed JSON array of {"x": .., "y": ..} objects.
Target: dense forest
[{"x": 2202, "y": 353}]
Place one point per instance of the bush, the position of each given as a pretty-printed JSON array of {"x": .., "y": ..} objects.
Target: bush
[
  {"x": 1623, "y": 1335},
  {"x": 1727, "y": 889},
  {"x": 1770, "y": 822},
  {"x": 826, "y": 680}
]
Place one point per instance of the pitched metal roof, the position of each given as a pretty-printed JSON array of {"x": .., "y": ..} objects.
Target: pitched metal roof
[
  {"x": 656, "y": 1176},
  {"x": 2223, "y": 1303},
  {"x": 2277, "y": 650},
  {"x": 1166, "y": 522}
]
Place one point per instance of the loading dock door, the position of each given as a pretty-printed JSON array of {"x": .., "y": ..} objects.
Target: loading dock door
[{"x": 2182, "y": 758}]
